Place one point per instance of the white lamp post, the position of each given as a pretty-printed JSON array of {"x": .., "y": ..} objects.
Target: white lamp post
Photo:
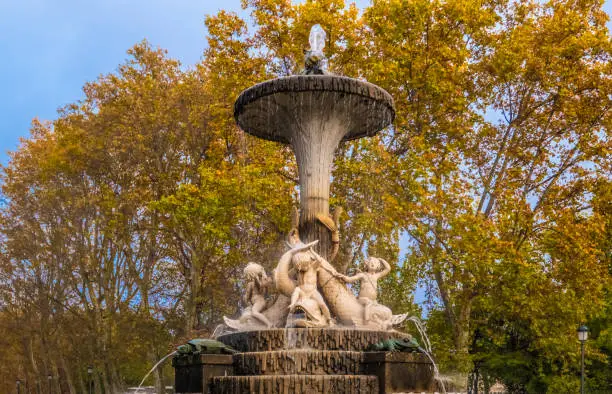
[{"x": 583, "y": 334}]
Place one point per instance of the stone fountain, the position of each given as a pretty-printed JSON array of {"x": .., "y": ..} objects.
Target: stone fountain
[{"x": 303, "y": 329}]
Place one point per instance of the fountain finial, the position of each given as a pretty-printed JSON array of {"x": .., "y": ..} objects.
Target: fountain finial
[
  {"x": 317, "y": 39},
  {"x": 315, "y": 62}
]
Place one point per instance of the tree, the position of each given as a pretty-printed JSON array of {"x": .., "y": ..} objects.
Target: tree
[
  {"x": 131, "y": 210},
  {"x": 142, "y": 183}
]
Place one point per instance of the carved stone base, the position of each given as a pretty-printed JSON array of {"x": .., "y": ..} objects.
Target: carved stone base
[
  {"x": 347, "y": 339},
  {"x": 305, "y": 360},
  {"x": 193, "y": 373},
  {"x": 400, "y": 372},
  {"x": 301, "y": 361},
  {"x": 324, "y": 384}
]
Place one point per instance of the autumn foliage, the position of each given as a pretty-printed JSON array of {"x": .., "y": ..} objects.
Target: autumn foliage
[{"x": 125, "y": 222}]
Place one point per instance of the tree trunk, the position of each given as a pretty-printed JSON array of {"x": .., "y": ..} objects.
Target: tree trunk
[
  {"x": 461, "y": 336},
  {"x": 83, "y": 384},
  {"x": 102, "y": 383},
  {"x": 191, "y": 304},
  {"x": 68, "y": 374},
  {"x": 29, "y": 352}
]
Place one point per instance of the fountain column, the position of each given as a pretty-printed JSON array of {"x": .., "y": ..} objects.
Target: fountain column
[{"x": 313, "y": 112}]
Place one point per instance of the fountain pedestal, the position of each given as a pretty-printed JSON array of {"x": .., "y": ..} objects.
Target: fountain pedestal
[
  {"x": 313, "y": 360},
  {"x": 400, "y": 372},
  {"x": 193, "y": 373}
]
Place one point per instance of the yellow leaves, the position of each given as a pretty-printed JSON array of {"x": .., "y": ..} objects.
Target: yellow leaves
[{"x": 154, "y": 151}]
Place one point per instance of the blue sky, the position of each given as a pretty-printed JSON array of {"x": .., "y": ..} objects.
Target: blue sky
[{"x": 50, "y": 48}]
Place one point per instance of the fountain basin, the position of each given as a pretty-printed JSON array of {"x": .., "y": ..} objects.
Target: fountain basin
[
  {"x": 299, "y": 361},
  {"x": 194, "y": 373},
  {"x": 357, "y": 384},
  {"x": 269, "y": 109},
  {"x": 316, "y": 360},
  {"x": 346, "y": 339}
]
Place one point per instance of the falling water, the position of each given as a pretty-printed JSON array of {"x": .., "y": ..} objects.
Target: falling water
[
  {"x": 427, "y": 350},
  {"x": 218, "y": 331},
  {"x": 291, "y": 336},
  {"x": 437, "y": 376},
  {"x": 421, "y": 329},
  {"x": 153, "y": 369}
]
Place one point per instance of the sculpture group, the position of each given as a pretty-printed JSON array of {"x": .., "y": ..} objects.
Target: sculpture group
[{"x": 305, "y": 290}]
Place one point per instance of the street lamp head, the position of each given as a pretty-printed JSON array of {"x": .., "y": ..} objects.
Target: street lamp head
[
  {"x": 49, "y": 377},
  {"x": 89, "y": 370},
  {"x": 583, "y": 333}
]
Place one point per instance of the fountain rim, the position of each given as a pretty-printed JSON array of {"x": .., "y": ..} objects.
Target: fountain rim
[{"x": 312, "y": 83}]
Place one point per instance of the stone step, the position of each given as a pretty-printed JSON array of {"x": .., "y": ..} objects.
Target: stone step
[
  {"x": 348, "y": 339},
  {"x": 362, "y": 384},
  {"x": 300, "y": 361}
]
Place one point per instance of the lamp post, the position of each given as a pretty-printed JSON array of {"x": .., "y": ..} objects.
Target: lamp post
[
  {"x": 583, "y": 334},
  {"x": 18, "y": 384},
  {"x": 89, "y": 374},
  {"x": 49, "y": 383}
]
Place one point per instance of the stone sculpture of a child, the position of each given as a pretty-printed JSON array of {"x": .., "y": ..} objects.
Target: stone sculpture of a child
[
  {"x": 255, "y": 294},
  {"x": 368, "y": 286},
  {"x": 306, "y": 262}
]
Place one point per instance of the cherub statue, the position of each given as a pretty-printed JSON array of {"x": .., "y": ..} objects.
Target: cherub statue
[
  {"x": 306, "y": 262},
  {"x": 256, "y": 289},
  {"x": 296, "y": 277},
  {"x": 260, "y": 312},
  {"x": 368, "y": 286}
]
